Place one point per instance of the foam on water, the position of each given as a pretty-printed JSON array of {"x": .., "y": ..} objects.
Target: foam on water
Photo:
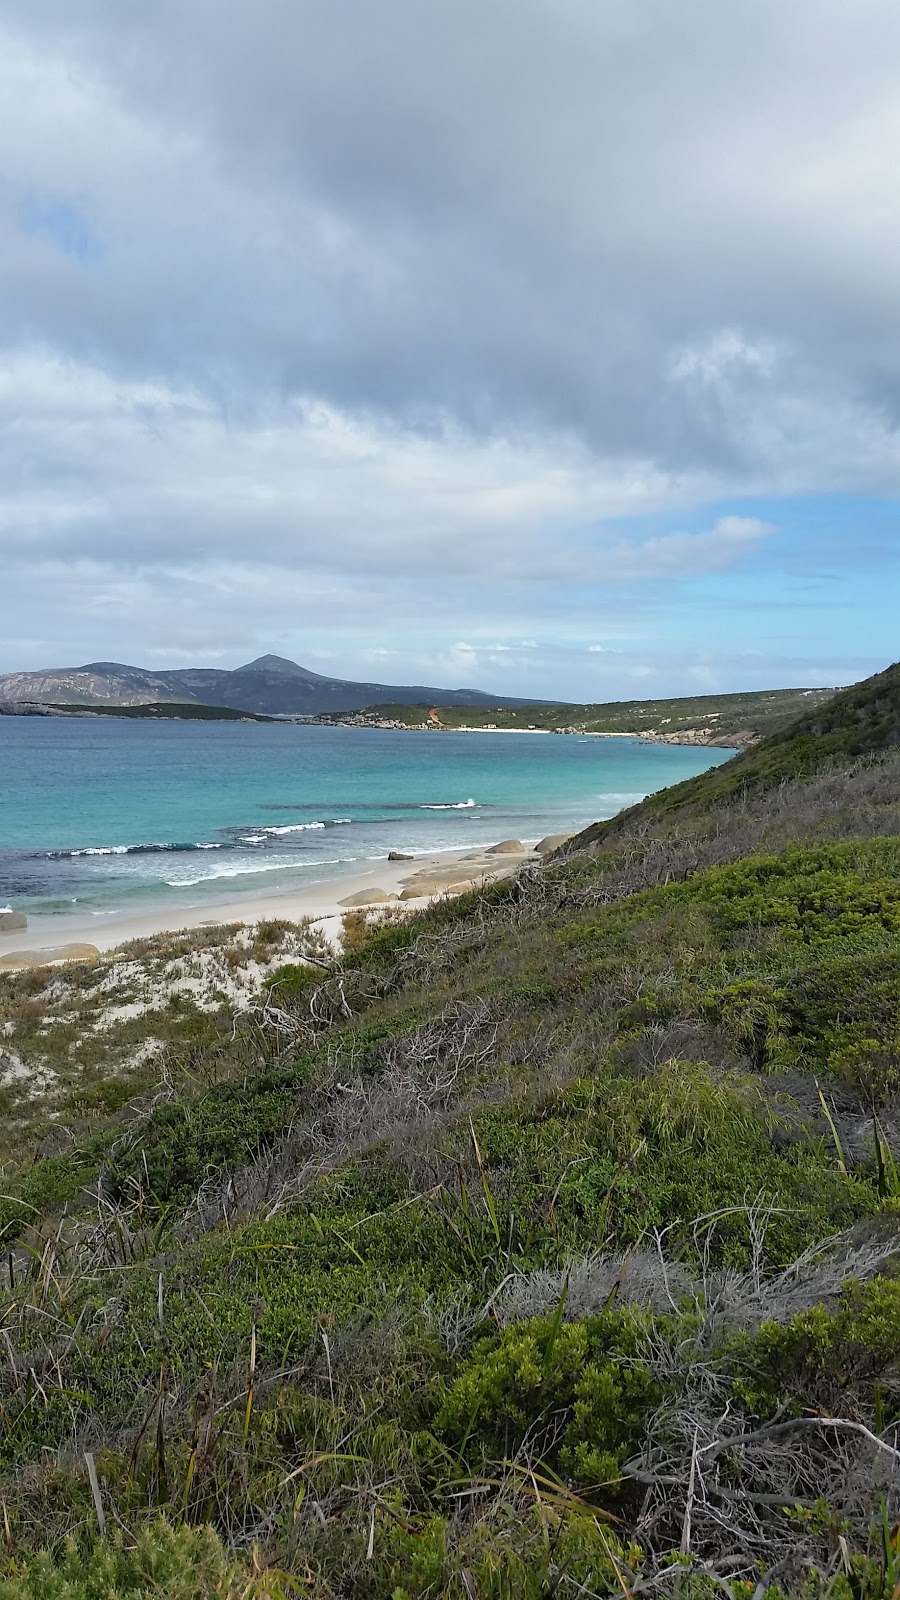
[{"x": 450, "y": 805}]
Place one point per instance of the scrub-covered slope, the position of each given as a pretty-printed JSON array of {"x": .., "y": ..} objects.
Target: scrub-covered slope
[
  {"x": 855, "y": 725},
  {"x": 545, "y": 1244}
]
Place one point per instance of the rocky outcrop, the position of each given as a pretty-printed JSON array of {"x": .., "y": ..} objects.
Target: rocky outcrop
[
  {"x": 708, "y": 737},
  {"x": 436, "y": 886},
  {"x": 367, "y": 897},
  {"x": 12, "y": 921},
  {"x": 24, "y": 708},
  {"x": 553, "y": 841}
]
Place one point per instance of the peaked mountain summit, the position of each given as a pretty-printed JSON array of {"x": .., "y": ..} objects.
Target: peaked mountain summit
[{"x": 270, "y": 685}]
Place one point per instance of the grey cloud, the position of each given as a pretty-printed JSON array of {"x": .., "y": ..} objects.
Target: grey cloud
[
  {"x": 306, "y": 309},
  {"x": 524, "y": 214}
]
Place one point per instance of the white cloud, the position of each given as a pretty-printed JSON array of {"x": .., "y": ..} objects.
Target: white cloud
[
  {"x": 674, "y": 555},
  {"x": 144, "y": 474}
]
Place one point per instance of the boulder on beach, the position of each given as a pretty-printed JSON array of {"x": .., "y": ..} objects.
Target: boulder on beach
[
  {"x": 399, "y": 855},
  {"x": 553, "y": 841},
  {"x": 435, "y": 874},
  {"x": 507, "y": 847},
  {"x": 43, "y": 958},
  {"x": 367, "y": 897},
  {"x": 12, "y": 921},
  {"x": 429, "y": 887}
]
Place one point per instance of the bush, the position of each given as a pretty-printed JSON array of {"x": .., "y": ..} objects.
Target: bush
[
  {"x": 871, "y": 1067},
  {"x": 166, "y": 1563},
  {"x": 527, "y": 1551},
  {"x": 827, "y": 1361},
  {"x": 577, "y": 1392},
  {"x": 295, "y": 977}
]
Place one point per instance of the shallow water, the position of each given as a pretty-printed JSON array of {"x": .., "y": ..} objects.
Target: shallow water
[{"x": 107, "y": 815}]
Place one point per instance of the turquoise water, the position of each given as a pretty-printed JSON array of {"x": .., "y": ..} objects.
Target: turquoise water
[{"x": 102, "y": 816}]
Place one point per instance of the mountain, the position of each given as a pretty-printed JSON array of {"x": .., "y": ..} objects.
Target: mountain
[{"x": 271, "y": 686}]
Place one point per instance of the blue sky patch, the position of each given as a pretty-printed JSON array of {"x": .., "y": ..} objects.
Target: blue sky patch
[{"x": 62, "y": 224}]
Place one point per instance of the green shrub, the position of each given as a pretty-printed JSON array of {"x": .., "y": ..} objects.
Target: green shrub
[
  {"x": 871, "y": 1067},
  {"x": 618, "y": 1155},
  {"x": 180, "y": 1144},
  {"x": 826, "y": 1360},
  {"x": 752, "y": 1012},
  {"x": 576, "y": 1391},
  {"x": 525, "y": 1552},
  {"x": 165, "y": 1563},
  {"x": 295, "y": 977}
]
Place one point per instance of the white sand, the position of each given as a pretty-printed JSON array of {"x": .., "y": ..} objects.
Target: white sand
[{"x": 320, "y": 901}]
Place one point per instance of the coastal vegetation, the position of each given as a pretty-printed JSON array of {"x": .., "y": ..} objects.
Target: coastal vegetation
[
  {"x": 166, "y": 709},
  {"x": 544, "y": 1243},
  {"x": 741, "y": 719},
  {"x": 693, "y": 719},
  {"x": 169, "y": 709}
]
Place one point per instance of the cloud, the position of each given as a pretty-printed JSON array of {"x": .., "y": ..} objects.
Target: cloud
[
  {"x": 303, "y": 485},
  {"x": 675, "y": 555},
  {"x": 664, "y": 233},
  {"x": 460, "y": 312}
]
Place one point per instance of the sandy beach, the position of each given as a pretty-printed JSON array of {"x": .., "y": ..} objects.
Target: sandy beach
[{"x": 414, "y": 882}]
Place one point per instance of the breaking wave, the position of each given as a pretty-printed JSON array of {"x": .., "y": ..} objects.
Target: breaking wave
[
  {"x": 292, "y": 827},
  {"x": 125, "y": 850},
  {"x": 235, "y": 872},
  {"x": 450, "y": 805}
]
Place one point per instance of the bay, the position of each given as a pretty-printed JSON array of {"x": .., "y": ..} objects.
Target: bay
[{"x": 102, "y": 815}]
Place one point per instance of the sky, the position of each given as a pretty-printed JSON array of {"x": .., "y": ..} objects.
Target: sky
[{"x": 542, "y": 346}]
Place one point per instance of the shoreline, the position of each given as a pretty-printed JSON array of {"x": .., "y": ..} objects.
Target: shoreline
[
  {"x": 686, "y": 739},
  {"x": 389, "y": 883}
]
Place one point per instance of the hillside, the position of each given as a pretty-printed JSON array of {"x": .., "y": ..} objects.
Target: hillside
[
  {"x": 547, "y": 1243},
  {"x": 856, "y": 724},
  {"x": 693, "y": 719},
  {"x": 271, "y": 686}
]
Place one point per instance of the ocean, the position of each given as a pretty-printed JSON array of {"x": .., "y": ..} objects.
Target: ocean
[{"x": 104, "y": 816}]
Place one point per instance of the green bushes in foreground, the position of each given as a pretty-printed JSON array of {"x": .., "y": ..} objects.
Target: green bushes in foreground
[
  {"x": 511, "y": 1462},
  {"x": 577, "y": 1391},
  {"x": 164, "y": 1563}
]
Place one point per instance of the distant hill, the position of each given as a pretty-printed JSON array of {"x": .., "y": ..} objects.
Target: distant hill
[
  {"x": 710, "y": 719},
  {"x": 269, "y": 686},
  {"x": 850, "y": 726},
  {"x": 155, "y": 710}
]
